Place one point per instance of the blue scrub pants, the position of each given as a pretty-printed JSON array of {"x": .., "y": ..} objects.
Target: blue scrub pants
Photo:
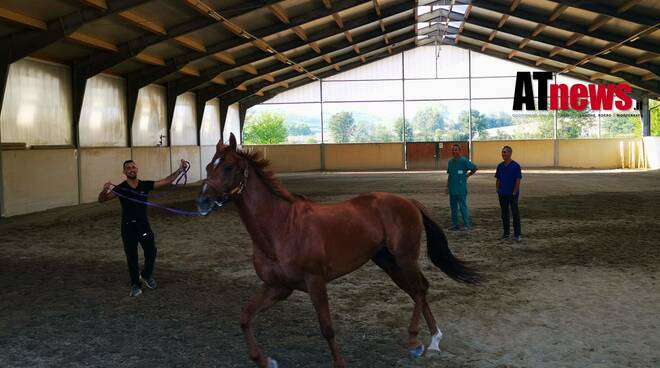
[{"x": 457, "y": 201}]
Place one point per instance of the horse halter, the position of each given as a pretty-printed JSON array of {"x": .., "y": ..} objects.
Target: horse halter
[{"x": 235, "y": 192}]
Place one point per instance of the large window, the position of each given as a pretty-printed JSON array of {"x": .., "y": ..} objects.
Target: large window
[
  {"x": 429, "y": 93},
  {"x": 495, "y": 119},
  {"x": 654, "y": 105},
  {"x": 283, "y": 123},
  {"x": 361, "y": 122},
  {"x": 103, "y": 115},
  {"x": 37, "y": 108}
]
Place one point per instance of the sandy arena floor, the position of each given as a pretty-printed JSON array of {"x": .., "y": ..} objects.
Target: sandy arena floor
[{"x": 581, "y": 290}]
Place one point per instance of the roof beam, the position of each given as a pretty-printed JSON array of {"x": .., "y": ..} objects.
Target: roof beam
[
  {"x": 558, "y": 44},
  {"x": 564, "y": 25},
  {"x": 602, "y": 8},
  {"x": 559, "y": 10},
  {"x": 338, "y": 20},
  {"x": 190, "y": 43},
  {"x": 22, "y": 20},
  {"x": 539, "y": 28},
  {"x": 185, "y": 85},
  {"x": 213, "y": 91},
  {"x": 94, "y": 42},
  {"x": 19, "y": 45},
  {"x": 300, "y": 32},
  {"x": 225, "y": 57},
  {"x": 328, "y": 4},
  {"x": 632, "y": 78},
  {"x": 377, "y": 7},
  {"x": 574, "y": 38},
  {"x": 598, "y": 22},
  {"x": 145, "y": 77},
  {"x": 636, "y": 91},
  {"x": 279, "y": 13},
  {"x": 143, "y": 23},
  {"x": 97, "y": 63},
  {"x": 627, "y": 5},
  {"x": 248, "y": 100},
  {"x": 98, "y": 4}
]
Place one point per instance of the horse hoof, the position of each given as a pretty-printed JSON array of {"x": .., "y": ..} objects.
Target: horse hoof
[
  {"x": 417, "y": 352},
  {"x": 272, "y": 363},
  {"x": 435, "y": 341}
]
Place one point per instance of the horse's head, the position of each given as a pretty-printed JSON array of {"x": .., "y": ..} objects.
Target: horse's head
[{"x": 226, "y": 177}]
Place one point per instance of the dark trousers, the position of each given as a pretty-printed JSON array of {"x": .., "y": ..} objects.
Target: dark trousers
[
  {"x": 132, "y": 233},
  {"x": 507, "y": 201}
]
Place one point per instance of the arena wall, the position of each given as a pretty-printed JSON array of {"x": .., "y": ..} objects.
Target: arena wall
[
  {"x": 39, "y": 179},
  {"x": 619, "y": 153},
  {"x": 154, "y": 162},
  {"x": 97, "y": 166},
  {"x": 364, "y": 156},
  {"x": 190, "y": 154},
  {"x": 291, "y": 158},
  {"x": 652, "y": 152},
  {"x": 529, "y": 153}
]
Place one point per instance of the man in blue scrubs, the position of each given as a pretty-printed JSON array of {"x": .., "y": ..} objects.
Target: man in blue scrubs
[
  {"x": 459, "y": 169},
  {"x": 508, "y": 177}
]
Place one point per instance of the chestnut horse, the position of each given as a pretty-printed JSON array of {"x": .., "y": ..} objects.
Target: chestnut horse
[{"x": 302, "y": 245}]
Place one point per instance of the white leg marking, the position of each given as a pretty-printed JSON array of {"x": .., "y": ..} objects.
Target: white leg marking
[{"x": 435, "y": 341}]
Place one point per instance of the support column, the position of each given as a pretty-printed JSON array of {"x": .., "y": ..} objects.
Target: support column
[
  {"x": 242, "y": 111},
  {"x": 4, "y": 74},
  {"x": 131, "y": 104},
  {"x": 470, "y": 147},
  {"x": 200, "y": 106},
  {"x": 170, "y": 105},
  {"x": 645, "y": 112},
  {"x": 223, "y": 118},
  {"x": 555, "y": 146}
]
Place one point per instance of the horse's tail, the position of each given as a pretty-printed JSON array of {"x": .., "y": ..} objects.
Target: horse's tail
[{"x": 441, "y": 255}]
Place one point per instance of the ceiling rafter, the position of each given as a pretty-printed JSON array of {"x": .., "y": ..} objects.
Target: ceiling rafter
[
  {"x": 558, "y": 44},
  {"x": 248, "y": 100},
  {"x": 208, "y": 93},
  {"x": 564, "y": 25},
  {"x": 143, "y": 23},
  {"x": 280, "y": 13},
  {"x": 577, "y": 75},
  {"x": 16, "y": 46},
  {"x": 191, "y": 43},
  {"x": 606, "y": 10},
  {"x": 571, "y": 63},
  {"x": 149, "y": 76},
  {"x": 627, "y": 5},
  {"x": 188, "y": 84},
  {"x": 22, "y": 20}
]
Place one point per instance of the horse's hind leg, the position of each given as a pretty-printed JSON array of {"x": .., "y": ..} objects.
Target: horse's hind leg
[
  {"x": 385, "y": 260},
  {"x": 266, "y": 298},
  {"x": 436, "y": 334}
]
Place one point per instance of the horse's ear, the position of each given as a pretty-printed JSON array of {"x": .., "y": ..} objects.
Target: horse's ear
[
  {"x": 219, "y": 145},
  {"x": 232, "y": 141}
]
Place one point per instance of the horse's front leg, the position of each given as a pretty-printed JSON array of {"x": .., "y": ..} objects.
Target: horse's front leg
[
  {"x": 266, "y": 298},
  {"x": 319, "y": 295}
]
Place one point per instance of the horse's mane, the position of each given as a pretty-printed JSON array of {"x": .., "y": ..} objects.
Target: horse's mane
[{"x": 260, "y": 166}]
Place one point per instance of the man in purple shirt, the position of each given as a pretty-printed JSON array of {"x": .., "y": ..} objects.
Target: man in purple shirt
[{"x": 508, "y": 177}]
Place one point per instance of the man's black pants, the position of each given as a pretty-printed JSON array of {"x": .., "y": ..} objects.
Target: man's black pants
[
  {"x": 511, "y": 201},
  {"x": 132, "y": 233}
]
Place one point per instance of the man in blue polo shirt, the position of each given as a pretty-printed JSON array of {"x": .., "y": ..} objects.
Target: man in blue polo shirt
[
  {"x": 459, "y": 169},
  {"x": 508, "y": 177}
]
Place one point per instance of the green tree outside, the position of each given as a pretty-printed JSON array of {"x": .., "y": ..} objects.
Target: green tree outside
[
  {"x": 342, "y": 127},
  {"x": 268, "y": 128}
]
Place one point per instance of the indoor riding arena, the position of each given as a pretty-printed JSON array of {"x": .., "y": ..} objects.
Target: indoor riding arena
[{"x": 449, "y": 183}]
